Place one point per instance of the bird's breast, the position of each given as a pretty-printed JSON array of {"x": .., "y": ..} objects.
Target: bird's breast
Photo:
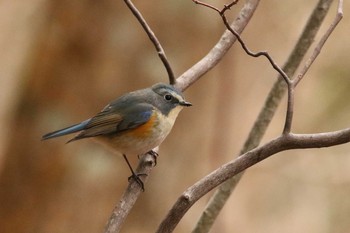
[{"x": 144, "y": 137}]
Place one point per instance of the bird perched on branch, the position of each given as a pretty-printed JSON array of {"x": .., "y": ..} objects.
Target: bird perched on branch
[{"x": 135, "y": 123}]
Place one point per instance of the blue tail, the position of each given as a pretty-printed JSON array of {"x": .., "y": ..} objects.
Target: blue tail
[{"x": 71, "y": 129}]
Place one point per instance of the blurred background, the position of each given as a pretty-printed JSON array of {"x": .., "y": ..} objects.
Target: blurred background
[{"x": 62, "y": 61}]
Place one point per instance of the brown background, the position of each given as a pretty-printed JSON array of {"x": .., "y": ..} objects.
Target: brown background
[{"x": 62, "y": 61}]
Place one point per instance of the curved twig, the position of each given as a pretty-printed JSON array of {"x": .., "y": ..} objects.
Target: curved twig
[
  {"x": 221, "y": 195},
  {"x": 154, "y": 40},
  {"x": 220, "y": 49},
  {"x": 291, "y": 85},
  {"x": 240, "y": 40}
]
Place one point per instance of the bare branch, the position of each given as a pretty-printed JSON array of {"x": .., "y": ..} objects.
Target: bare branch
[
  {"x": 154, "y": 40},
  {"x": 208, "y": 5},
  {"x": 321, "y": 43},
  {"x": 290, "y": 110},
  {"x": 219, "y": 50},
  {"x": 266, "y": 114},
  {"x": 309, "y": 62},
  {"x": 129, "y": 197},
  {"x": 282, "y": 143},
  {"x": 240, "y": 40},
  {"x": 257, "y": 54}
]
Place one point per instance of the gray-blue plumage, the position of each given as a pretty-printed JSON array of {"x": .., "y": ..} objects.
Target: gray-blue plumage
[{"x": 127, "y": 112}]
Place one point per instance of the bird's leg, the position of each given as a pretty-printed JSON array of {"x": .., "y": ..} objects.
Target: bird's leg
[
  {"x": 154, "y": 155},
  {"x": 134, "y": 175}
]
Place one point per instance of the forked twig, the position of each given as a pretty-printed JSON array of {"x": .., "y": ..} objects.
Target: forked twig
[
  {"x": 309, "y": 62},
  {"x": 288, "y": 81},
  {"x": 222, "y": 194},
  {"x": 220, "y": 49},
  {"x": 240, "y": 40},
  {"x": 128, "y": 199},
  {"x": 153, "y": 38},
  {"x": 286, "y": 141}
]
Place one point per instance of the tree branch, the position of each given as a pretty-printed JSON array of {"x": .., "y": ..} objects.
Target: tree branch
[
  {"x": 240, "y": 40},
  {"x": 130, "y": 196},
  {"x": 220, "y": 49},
  {"x": 320, "y": 44},
  {"x": 282, "y": 143},
  {"x": 153, "y": 38},
  {"x": 304, "y": 42}
]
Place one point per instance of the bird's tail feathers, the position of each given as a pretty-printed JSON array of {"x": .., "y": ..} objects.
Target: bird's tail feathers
[{"x": 71, "y": 129}]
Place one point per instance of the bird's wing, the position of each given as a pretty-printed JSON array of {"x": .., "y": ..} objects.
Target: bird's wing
[{"x": 114, "y": 119}]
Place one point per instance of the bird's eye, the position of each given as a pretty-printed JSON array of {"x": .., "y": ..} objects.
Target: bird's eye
[{"x": 168, "y": 97}]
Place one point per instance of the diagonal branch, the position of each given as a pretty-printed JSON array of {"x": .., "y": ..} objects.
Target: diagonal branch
[
  {"x": 154, "y": 40},
  {"x": 320, "y": 44},
  {"x": 123, "y": 208},
  {"x": 309, "y": 62},
  {"x": 130, "y": 196},
  {"x": 221, "y": 195},
  {"x": 282, "y": 143}
]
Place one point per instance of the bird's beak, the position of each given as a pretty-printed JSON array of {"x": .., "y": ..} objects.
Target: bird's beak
[{"x": 185, "y": 103}]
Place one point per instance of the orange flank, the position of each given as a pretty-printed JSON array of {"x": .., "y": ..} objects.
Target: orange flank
[{"x": 145, "y": 129}]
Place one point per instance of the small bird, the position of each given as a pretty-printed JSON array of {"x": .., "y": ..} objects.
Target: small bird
[{"x": 134, "y": 123}]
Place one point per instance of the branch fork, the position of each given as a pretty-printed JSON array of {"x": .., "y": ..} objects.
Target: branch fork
[{"x": 286, "y": 141}]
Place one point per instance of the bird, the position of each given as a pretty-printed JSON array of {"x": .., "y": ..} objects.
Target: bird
[{"x": 134, "y": 123}]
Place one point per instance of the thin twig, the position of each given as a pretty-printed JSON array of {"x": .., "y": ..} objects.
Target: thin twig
[
  {"x": 265, "y": 116},
  {"x": 259, "y": 128},
  {"x": 290, "y": 110},
  {"x": 320, "y": 44},
  {"x": 222, "y": 11},
  {"x": 220, "y": 49},
  {"x": 308, "y": 64},
  {"x": 257, "y": 54},
  {"x": 240, "y": 40},
  {"x": 154, "y": 40}
]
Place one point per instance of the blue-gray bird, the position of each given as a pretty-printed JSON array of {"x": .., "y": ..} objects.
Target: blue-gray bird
[{"x": 135, "y": 123}]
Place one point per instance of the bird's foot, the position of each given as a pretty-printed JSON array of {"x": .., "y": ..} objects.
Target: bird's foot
[
  {"x": 154, "y": 155},
  {"x": 134, "y": 176}
]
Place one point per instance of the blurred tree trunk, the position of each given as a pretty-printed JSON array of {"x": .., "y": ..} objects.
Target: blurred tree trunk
[{"x": 63, "y": 48}]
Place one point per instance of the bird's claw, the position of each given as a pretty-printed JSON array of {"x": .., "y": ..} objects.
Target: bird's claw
[
  {"x": 154, "y": 155},
  {"x": 136, "y": 177}
]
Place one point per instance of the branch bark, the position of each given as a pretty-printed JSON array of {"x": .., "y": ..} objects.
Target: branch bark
[
  {"x": 285, "y": 142},
  {"x": 130, "y": 196},
  {"x": 282, "y": 143},
  {"x": 154, "y": 40},
  {"x": 220, "y": 49},
  {"x": 266, "y": 114},
  {"x": 128, "y": 199}
]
